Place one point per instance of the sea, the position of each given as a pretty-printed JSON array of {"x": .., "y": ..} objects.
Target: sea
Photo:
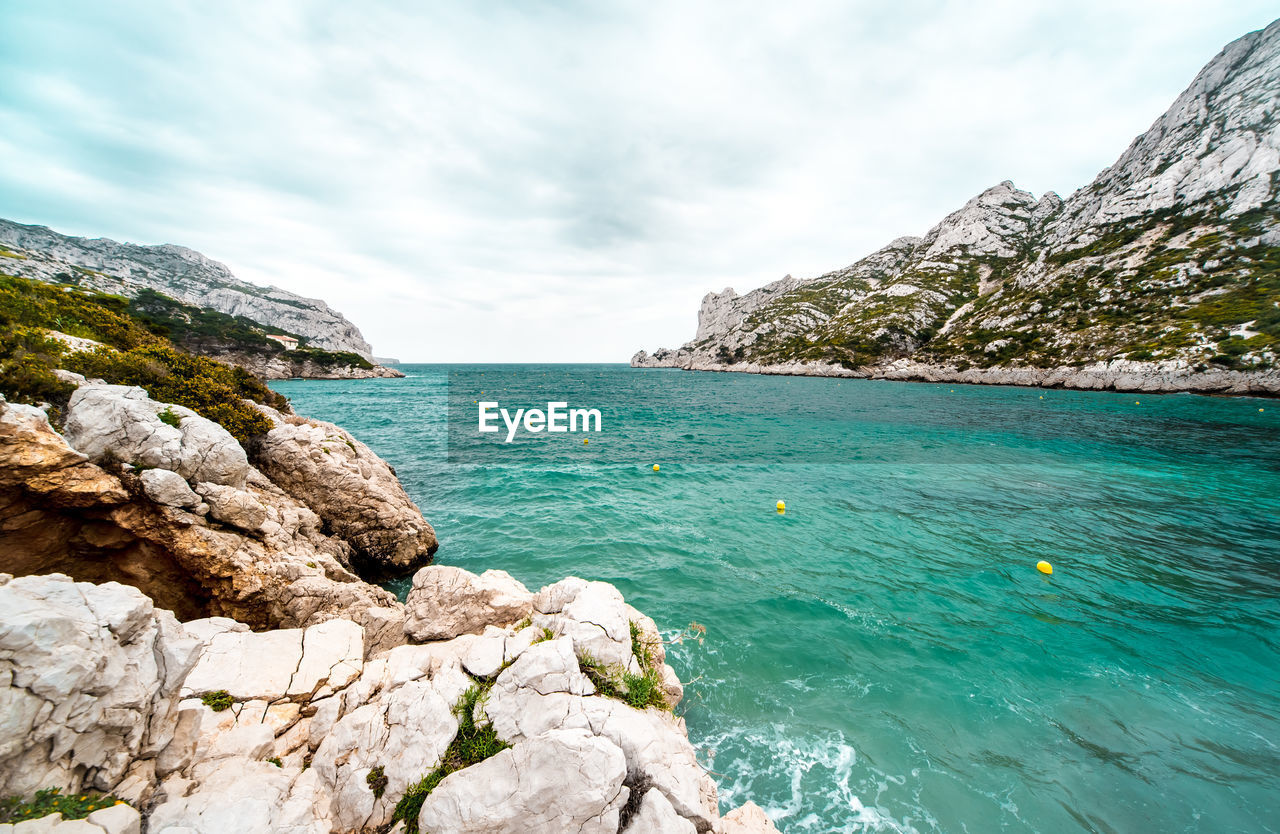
[{"x": 884, "y": 655}]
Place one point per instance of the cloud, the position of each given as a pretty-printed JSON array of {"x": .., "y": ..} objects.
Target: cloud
[{"x": 560, "y": 181}]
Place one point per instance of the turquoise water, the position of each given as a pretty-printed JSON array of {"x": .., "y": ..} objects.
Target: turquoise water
[{"x": 885, "y": 656}]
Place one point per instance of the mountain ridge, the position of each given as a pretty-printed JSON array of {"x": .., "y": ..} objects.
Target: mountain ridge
[
  {"x": 1163, "y": 273},
  {"x": 106, "y": 265}
]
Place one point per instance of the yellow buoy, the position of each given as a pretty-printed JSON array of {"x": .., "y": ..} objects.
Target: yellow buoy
[
  {"x": 585, "y": 441},
  {"x": 1136, "y": 402},
  {"x": 782, "y": 506},
  {"x": 655, "y": 467},
  {"x": 1044, "y": 567}
]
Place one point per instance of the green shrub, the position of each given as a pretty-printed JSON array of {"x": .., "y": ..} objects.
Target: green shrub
[
  {"x": 27, "y": 359},
  {"x": 98, "y": 316},
  {"x": 51, "y": 801},
  {"x": 472, "y": 744},
  {"x": 170, "y": 417},
  {"x": 210, "y": 389},
  {"x": 275, "y": 760},
  {"x": 376, "y": 779},
  {"x": 639, "y": 691},
  {"x": 217, "y": 701},
  {"x": 330, "y": 357}
]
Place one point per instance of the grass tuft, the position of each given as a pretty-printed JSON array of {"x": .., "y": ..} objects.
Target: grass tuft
[
  {"x": 217, "y": 701},
  {"x": 473, "y": 744}
]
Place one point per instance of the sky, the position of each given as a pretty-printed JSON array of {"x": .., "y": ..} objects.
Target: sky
[{"x": 563, "y": 182}]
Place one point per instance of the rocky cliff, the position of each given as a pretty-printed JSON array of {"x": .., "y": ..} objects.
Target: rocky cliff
[
  {"x": 499, "y": 726},
  {"x": 127, "y": 269},
  {"x": 153, "y": 494},
  {"x": 1162, "y": 274}
]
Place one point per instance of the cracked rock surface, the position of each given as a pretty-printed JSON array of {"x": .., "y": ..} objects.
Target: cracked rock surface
[{"x": 209, "y": 728}]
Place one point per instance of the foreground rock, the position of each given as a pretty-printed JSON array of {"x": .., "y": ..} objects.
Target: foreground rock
[
  {"x": 353, "y": 490},
  {"x": 211, "y": 728},
  {"x": 525, "y": 789},
  {"x": 446, "y": 602}
]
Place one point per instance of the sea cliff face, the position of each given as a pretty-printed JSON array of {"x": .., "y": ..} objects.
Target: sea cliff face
[
  {"x": 1162, "y": 274},
  {"x": 181, "y": 273}
]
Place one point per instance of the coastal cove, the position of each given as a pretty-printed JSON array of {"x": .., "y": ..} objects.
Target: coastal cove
[{"x": 884, "y": 656}]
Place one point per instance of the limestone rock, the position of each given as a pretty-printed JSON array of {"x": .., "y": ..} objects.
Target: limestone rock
[
  {"x": 239, "y": 795},
  {"x": 546, "y": 667},
  {"x": 169, "y": 488},
  {"x": 90, "y": 677},
  {"x": 62, "y": 513},
  {"x": 118, "y": 819},
  {"x": 236, "y": 507},
  {"x": 405, "y": 732},
  {"x": 122, "y": 423},
  {"x": 655, "y": 744},
  {"x": 279, "y": 664},
  {"x": 750, "y": 818},
  {"x": 656, "y": 816},
  {"x": 564, "y": 780},
  {"x": 447, "y": 601},
  {"x": 352, "y": 489}
]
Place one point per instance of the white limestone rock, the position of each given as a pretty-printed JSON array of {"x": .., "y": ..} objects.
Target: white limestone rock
[
  {"x": 655, "y": 744},
  {"x": 656, "y": 816},
  {"x": 236, "y": 507},
  {"x": 447, "y": 601},
  {"x": 597, "y": 620},
  {"x": 750, "y": 818},
  {"x": 561, "y": 781},
  {"x": 240, "y": 795},
  {"x": 89, "y": 679},
  {"x": 356, "y": 492},
  {"x": 169, "y": 488},
  {"x": 118, "y": 819},
  {"x": 278, "y": 664},
  {"x": 405, "y": 731},
  {"x": 546, "y": 667},
  {"x": 123, "y": 423}
]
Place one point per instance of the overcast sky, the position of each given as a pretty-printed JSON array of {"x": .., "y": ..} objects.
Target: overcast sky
[{"x": 564, "y": 181}]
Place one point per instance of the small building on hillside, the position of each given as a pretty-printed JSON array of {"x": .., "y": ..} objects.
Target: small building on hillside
[{"x": 288, "y": 341}]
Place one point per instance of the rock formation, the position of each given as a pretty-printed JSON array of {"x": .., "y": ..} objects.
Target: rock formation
[
  {"x": 181, "y": 273},
  {"x": 1161, "y": 275},
  {"x": 207, "y": 727},
  {"x": 179, "y": 511}
]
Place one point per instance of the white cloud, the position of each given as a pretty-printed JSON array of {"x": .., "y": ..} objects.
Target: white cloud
[{"x": 469, "y": 182}]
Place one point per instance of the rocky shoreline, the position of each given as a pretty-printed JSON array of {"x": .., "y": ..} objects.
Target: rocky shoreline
[
  {"x": 188, "y": 626},
  {"x": 282, "y": 366},
  {"x": 1124, "y": 375}
]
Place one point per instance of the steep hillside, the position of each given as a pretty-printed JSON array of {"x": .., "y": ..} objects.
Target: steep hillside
[
  {"x": 180, "y": 273},
  {"x": 1162, "y": 274}
]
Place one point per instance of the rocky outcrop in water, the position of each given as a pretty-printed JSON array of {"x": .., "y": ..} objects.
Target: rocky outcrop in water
[
  {"x": 1161, "y": 275},
  {"x": 207, "y": 727},
  {"x": 181, "y": 273}
]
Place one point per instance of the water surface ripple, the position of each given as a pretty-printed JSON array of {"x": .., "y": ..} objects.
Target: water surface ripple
[{"x": 884, "y": 656}]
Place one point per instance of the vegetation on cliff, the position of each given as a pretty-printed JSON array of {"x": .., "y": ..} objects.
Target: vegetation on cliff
[{"x": 129, "y": 352}]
